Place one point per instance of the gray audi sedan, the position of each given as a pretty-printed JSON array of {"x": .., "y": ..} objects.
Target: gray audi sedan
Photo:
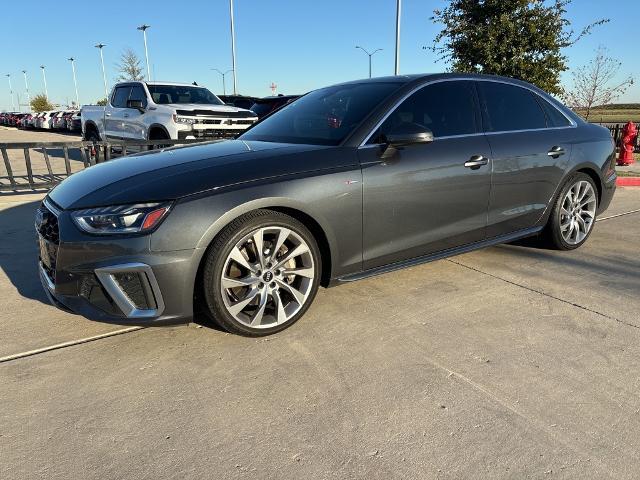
[{"x": 348, "y": 181}]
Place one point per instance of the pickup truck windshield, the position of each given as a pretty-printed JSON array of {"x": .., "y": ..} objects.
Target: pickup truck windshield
[
  {"x": 163, "y": 94},
  {"x": 322, "y": 117}
]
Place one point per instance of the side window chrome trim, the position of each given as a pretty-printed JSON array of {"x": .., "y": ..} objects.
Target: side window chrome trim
[{"x": 419, "y": 87}]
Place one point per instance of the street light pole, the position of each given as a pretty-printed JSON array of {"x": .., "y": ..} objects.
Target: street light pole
[
  {"x": 100, "y": 46},
  {"x": 398, "y": 12},
  {"x": 224, "y": 88},
  {"x": 13, "y": 104},
  {"x": 26, "y": 85},
  {"x": 44, "y": 78},
  {"x": 75, "y": 82},
  {"x": 144, "y": 27},
  {"x": 233, "y": 47},
  {"x": 370, "y": 55}
]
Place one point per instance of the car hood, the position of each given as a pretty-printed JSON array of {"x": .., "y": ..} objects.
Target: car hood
[{"x": 173, "y": 173}]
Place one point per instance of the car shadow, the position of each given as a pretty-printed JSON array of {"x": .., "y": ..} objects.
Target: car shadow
[{"x": 19, "y": 250}]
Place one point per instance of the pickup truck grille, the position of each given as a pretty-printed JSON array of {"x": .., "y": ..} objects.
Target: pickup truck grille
[{"x": 209, "y": 113}]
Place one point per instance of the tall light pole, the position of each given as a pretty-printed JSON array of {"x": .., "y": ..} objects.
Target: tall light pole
[
  {"x": 144, "y": 27},
  {"x": 370, "y": 55},
  {"x": 100, "y": 46},
  {"x": 75, "y": 82},
  {"x": 224, "y": 88},
  {"x": 13, "y": 104},
  {"x": 398, "y": 12},
  {"x": 233, "y": 47},
  {"x": 44, "y": 79},
  {"x": 26, "y": 85}
]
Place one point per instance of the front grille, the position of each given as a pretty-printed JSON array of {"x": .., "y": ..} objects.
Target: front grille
[
  {"x": 48, "y": 224},
  {"x": 209, "y": 134},
  {"x": 209, "y": 113}
]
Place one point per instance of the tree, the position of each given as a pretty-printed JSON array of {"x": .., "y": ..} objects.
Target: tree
[
  {"x": 592, "y": 83},
  {"x": 40, "y": 103},
  {"x": 515, "y": 38},
  {"x": 102, "y": 102},
  {"x": 129, "y": 66}
]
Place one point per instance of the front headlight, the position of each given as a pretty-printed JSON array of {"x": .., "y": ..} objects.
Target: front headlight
[{"x": 138, "y": 218}]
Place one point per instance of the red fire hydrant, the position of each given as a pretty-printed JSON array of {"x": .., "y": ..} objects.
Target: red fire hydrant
[{"x": 627, "y": 142}]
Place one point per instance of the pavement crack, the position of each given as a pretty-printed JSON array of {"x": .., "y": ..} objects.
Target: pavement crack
[
  {"x": 545, "y": 294},
  {"x": 617, "y": 215},
  {"x": 71, "y": 343}
]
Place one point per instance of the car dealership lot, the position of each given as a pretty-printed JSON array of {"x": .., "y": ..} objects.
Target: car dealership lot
[{"x": 511, "y": 362}]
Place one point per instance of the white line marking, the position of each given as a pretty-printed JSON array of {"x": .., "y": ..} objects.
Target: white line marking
[
  {"x": 71, "y": 343},
  {"x": 618, "y": 215}
]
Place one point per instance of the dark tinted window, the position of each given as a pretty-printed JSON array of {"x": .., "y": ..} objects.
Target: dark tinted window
[
  {"x": 446, "y": 108},
  {"x": 163, "y": 94},
  {"x": 508, "y": 108},
  {"x": 120, "y": 97},
  {"x": 138, "y": 93},
  {"x": 554, "y": 117},
  {"x": 323, "y": 117}
]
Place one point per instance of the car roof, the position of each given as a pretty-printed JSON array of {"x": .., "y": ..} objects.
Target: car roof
[
  {"x": 423, "y": 77},
  {"x": 173, "y": 84}
]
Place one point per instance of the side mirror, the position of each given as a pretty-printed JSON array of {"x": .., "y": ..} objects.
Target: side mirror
[
  {"x": 409, "y": 134},
  {"x": 403, "y": 136},
  {"x": 137, "y": 104}
]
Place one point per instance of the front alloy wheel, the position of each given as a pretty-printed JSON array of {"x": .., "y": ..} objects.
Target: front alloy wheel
[{"x": 264, "y": 277}]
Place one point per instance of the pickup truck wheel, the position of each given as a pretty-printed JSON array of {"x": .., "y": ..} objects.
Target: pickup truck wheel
[
  {"x": 92, "y": 136},
  {"x": 158, "y": 135}
]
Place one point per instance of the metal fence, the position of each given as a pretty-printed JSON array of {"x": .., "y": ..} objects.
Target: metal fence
[{"x": 42, "y": 165}]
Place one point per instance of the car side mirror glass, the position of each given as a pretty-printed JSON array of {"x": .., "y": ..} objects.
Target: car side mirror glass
[
  {"x": 408, "y": 134},
  {"x": 137, "y": 104}
]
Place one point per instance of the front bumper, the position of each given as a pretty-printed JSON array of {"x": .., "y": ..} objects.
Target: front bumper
[{"x": 117, "y": 280}]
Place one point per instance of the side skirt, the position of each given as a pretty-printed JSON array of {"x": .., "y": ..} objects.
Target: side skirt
[{"x": 441, "y": 254}]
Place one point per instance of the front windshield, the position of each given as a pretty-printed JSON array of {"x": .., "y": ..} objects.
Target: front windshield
[
  {"x": 322, "y": 117},
  {"x": 163, "y": 94}
]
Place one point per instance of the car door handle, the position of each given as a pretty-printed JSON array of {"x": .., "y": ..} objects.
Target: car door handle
[
  {"x": 476, "y": 162},
  {"x": 555, "y": 152},
  {"x": 126, "y": 115},
  {"x": 107, "y": 114}
]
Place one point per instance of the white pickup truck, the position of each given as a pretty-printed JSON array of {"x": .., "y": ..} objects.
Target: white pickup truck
[{"x": 159, "y": 111}]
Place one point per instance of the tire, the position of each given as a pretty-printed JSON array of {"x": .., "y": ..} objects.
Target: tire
[
  {"x": 573, "y": 212},
  {"x": 92, "y": 135},
  {"x": 158, "y": 135},
  {"x": 279, "y": 287}
]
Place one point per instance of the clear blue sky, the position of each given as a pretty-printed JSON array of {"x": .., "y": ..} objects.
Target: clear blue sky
[{"x": 298, "y": 44}]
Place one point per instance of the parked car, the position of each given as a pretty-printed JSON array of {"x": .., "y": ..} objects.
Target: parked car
[
  {"x": 155, "y": 111},
  {"x": 240, "y": 101},
  {"x": 74, "y": 122},
  {"x": 348, "y": 181},
  {"x": 46, "y": 119},
  {"x": 57, "y": 120},
  {"x": 264, "y": 106}
]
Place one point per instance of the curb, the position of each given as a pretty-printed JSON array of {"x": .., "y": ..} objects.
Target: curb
[{"x": 628, "y": 182}]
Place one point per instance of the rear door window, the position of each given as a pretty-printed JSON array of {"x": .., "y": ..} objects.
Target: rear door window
[{"x": 508, "y": 108}]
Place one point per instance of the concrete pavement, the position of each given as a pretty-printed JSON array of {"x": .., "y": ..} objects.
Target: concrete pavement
[{"x": 512, "y": 362}]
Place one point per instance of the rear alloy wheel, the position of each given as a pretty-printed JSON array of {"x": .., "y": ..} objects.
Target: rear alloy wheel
[
  {"x": 574, "y": 213},
  {"x": 262, "y": 273}
]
